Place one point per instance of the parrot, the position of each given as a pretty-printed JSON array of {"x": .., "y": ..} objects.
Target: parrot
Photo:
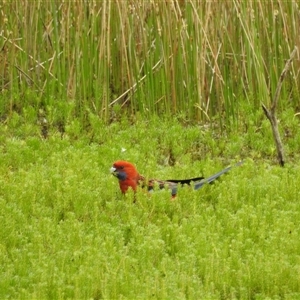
[{"x": 129, "y": 177}]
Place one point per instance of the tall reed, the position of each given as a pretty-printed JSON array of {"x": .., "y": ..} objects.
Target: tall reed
[{"x": 197, "y": 59}]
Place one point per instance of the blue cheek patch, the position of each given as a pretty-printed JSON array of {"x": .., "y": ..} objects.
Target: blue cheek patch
[{"x": 121, "y": 175}]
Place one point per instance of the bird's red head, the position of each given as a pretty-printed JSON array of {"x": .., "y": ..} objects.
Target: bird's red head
[{"x": 127, "y": 174}]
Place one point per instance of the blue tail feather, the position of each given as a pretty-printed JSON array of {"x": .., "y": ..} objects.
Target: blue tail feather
[
  {"x": 210, "y": 179},
  {"x": 200, "y": 184}
]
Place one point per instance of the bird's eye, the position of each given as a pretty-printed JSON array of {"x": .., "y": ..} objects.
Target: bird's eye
[{"x": 122, "y": 167}]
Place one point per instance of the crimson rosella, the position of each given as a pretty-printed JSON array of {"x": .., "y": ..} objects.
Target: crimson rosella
[{"x": 128, "y": 177}]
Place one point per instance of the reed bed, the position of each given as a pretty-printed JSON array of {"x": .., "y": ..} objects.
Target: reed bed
[{"x": 195, "y": 59}]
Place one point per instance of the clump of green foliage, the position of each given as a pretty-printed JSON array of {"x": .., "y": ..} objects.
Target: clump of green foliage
[{"x": 67, "y": 232}]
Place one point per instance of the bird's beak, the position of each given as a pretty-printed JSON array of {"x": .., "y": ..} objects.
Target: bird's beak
[{"x": 113, "y": 170}]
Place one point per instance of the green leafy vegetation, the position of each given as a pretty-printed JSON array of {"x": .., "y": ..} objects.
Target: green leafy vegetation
[{"x": 67, "y": 232}]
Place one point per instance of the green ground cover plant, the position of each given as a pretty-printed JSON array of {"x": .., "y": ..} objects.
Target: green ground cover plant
[{"x": 67, "y": 233}]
